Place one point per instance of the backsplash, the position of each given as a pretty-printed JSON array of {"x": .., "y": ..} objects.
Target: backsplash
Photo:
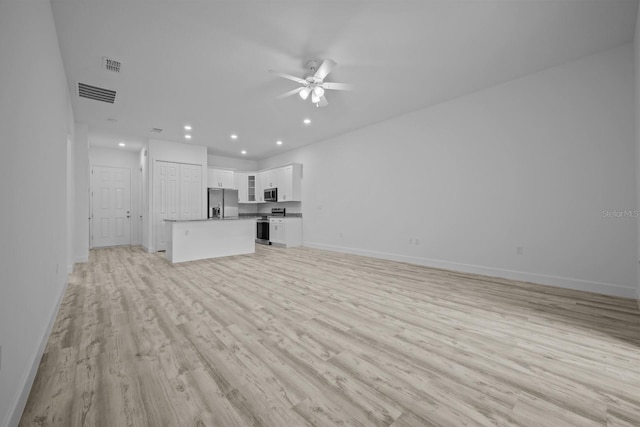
[
  {"x": 294, "y": 209},
  {"x": 291, "y": 207}
]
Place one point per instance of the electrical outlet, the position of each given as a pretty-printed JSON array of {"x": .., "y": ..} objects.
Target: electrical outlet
[
  {"x": 519, "y": 250},
  {"x": 341, "y": 235},
  {"x": 417, "y": 241}
]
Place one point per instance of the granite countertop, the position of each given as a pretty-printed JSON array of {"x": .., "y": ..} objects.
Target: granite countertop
[
  {"x": 241, "y": 217},
  {"x": 212, "y": 219},
  {"x": 291, "y": 215}
]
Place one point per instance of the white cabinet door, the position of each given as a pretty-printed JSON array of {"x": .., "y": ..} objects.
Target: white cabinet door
[
  {"x": 277, "y": 231},
  {"x": 226, "y": 177},
  {"x": 166, "y": 199},
  {"x": 251, "y": 188},
  {"x": 269, "y": 179},
  {"x": 285, "y": 231},
  {"x": 212, "y": 179},
  {"x": 246, "y": 184},
  {"x": 242, "y": 182},
  {"x": 260, "y": 187},
  {"x": 111, "y": 206},
  {"x": 284, "y": 177},
  {"x": 220, "y": 178}
]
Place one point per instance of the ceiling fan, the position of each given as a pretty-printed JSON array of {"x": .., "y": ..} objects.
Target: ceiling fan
[{"x": 313, "y": 82}]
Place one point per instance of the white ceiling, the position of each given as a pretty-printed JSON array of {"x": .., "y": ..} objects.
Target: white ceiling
[{"x": 206, "y": 63}]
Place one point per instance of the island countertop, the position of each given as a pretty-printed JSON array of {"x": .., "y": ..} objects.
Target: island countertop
[{"x": 245, "y": 218}]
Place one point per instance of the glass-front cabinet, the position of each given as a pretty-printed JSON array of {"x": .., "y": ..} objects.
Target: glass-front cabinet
[
  {"x": 251, "y": 188},
  {"x": 251, "y": 185},
  {"x": 246, "y": 187}
]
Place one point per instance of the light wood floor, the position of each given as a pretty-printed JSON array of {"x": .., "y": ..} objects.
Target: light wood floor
[{"x": 301, "y": 337}]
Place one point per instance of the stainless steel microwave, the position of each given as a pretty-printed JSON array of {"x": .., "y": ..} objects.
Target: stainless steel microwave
[{"x": 271, "y": 195}]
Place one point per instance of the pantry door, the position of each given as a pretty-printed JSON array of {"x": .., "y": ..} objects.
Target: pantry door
[{"x": 111, "y": 206}]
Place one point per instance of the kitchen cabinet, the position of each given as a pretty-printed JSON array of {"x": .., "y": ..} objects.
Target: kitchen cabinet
[
  {"x": 220, "y": 178},
  {"x": 286, "y": 232},
  {"x": 259, "y": 187},
  {"x": 251, "y": 185},
  {"x": 246, "y": 184},
  {"x": 289, "y": 180},
  {"x": 269, "y": 179}
]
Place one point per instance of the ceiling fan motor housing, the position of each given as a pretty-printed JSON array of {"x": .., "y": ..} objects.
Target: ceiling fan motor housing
[{"x": 312, "y": 66}]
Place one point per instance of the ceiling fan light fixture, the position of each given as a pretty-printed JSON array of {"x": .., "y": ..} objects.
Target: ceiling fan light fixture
[
  {"x": 304, "y": 92},
  {"x": 318, "y": 91},
  {"x": 315, "y": 98}
]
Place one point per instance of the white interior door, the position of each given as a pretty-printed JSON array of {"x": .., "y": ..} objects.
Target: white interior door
[
  {"x": 190, "y": 192},
  {"x": 166, "y": 200},
  {"x": 111, "y": 206}
]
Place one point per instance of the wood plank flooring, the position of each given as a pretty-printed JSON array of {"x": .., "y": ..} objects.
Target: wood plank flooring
[{"x": 302, "y": 337}]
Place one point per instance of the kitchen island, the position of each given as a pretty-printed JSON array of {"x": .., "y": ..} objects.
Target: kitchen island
[{"x": 189, "y": 240}]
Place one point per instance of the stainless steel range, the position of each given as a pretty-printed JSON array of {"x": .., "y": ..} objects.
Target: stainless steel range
[{"x": 262, "y": 226}]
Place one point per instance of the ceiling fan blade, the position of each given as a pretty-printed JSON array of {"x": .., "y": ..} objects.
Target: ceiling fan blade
[
  {"x": 324, "y": 69},
  {"x": 291, "y": 92},
  {"x": 337, "y": 86},
  {"x": 322, "y": 102},
  {"x": 290, "y": 77}
]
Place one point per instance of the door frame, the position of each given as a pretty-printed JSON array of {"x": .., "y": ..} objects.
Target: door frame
[{"x": 91, "y": 183}]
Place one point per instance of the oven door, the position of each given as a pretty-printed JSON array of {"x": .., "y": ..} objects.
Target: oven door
[{"x": 262, "y": 232}]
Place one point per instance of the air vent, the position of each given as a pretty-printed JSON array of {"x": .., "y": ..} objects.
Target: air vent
[
  {"x": 96, "y": 93},
  {"x": 111, "y": 64},
  {"x": 156, "y": 130}
]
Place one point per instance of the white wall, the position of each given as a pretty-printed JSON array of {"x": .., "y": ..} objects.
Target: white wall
[
  {"x": 231, "y": 163},
  {"x": 158, "y": 150},
  {"x": 71, "y": 202},
  {"x": 35, "y": 123},
  {"x": 129, "y": 160},
  {"x": 82, "y": 199},
  {"x": 531, "y": 163}
]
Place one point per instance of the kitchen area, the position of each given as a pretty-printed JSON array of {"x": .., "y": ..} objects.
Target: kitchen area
[{"x": 243, "y": 208}]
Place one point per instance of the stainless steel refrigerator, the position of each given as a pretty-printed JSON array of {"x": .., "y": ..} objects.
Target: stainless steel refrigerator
[{"x": 223, "y": 203}]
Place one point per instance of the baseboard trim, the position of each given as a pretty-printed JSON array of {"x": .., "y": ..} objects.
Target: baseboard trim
[
  {"x": 543, "y": 279},
  {"x": 83, "y": 258},
  {"x": 17, "y": 408},
  {"x": 638, "y": 297}
]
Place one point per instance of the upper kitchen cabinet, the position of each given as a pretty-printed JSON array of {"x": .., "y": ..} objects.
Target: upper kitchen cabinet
[
  {"x": 259, "y": 187},
  {"x": 289, "y": 183},
  {"x": 246, "y": 184},
  {"x": 269, "y": 179},
  {"x": 287, "y": 179},
  {"x": 220, "y": 178}
]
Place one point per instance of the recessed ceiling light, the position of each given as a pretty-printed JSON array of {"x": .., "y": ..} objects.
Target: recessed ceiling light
[
  {"x": 234, "y": 136},
  {"x": 187, "y": 127},
  {"x": 279, "y": 142},
  {"x": 187, "y": 136},
  {"x": 244, "y": 152},
  {"x": 121, "y": 144},
  {"x": 307, "y": 121}
]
